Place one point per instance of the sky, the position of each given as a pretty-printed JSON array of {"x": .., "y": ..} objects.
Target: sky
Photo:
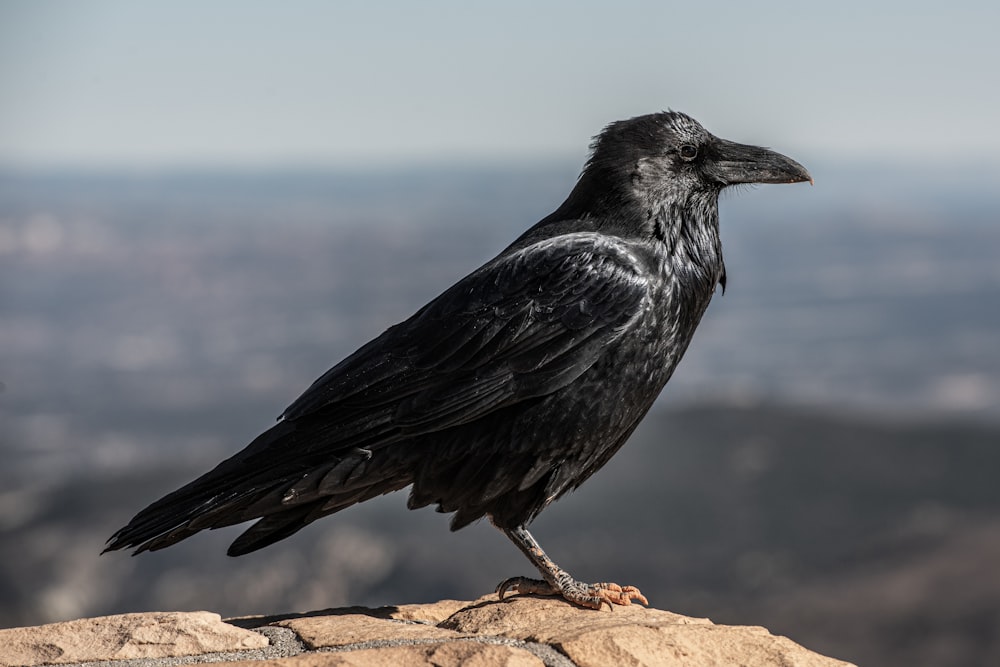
[{"x": 122, "y": 83}]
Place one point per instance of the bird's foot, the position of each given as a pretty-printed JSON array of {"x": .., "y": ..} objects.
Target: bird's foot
[{"x": 593, "y": 596}]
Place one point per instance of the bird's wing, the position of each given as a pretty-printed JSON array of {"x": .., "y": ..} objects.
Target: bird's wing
[{"x": 523, "y": 325}]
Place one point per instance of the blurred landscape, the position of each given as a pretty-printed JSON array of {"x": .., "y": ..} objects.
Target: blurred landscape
[{"x": 824, "y": 461}]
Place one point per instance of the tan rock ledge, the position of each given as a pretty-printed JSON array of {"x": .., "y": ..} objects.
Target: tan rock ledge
[
  {"x": 520, "y": 631},
  {"x": 124, "y": 637}
]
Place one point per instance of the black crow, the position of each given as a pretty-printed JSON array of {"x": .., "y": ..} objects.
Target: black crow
[{"x": 517, "y": 383}]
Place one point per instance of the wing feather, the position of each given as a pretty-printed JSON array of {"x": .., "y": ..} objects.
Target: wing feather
[
  {"x": 508, "y": 331},
  {"x": 523, "y": 326}
]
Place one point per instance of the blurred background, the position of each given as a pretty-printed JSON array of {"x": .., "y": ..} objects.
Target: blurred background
[{"x": 203, "y": 206}]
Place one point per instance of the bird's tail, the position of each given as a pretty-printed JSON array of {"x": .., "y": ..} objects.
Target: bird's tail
[{"x": 256, "y": 483}]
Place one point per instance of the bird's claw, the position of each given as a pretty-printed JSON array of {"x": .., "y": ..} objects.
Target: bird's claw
[
  {"x": 525, "y": 586},
  {"x": 593, "y": 596},
  {"x": 622, "y": 595}
]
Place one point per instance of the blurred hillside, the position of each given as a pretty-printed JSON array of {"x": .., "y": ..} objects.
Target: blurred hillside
[{"x": 822, "y": 462}]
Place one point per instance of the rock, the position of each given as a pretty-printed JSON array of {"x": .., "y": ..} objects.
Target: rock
[
  {"x": 521, "y": 631},
  {"x": 548, "y": 619},
  {"x": 434, "y": 612},
  {"x": 125, "y": 636},
  {"x": 346, "y": 629},
  {"x": 444, "y": 654},
  {"x": 632, "y": 635}
]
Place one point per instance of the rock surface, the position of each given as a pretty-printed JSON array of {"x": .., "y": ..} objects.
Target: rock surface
[
  {"x": 124, "y": 637},
  {"x": 442, "y": 654},
  {"x": 519, "y": 632}
]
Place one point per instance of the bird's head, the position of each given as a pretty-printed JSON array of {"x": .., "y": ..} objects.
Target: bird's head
[
  {"x": 656, "y": 174},
  {"x": 670, "y": 156}
]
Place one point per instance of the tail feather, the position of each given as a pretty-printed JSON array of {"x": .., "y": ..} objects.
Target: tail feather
[
  {"x": 165, "y": 540},
  {"x": 272, "y": 480},
  {"x": 279, "y": 525},
  {"x": 218, "y": 498},
  {"x": 271, "y": 529}
]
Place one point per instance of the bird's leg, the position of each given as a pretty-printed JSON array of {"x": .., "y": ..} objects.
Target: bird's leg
[{"x": 557, "y": 581}]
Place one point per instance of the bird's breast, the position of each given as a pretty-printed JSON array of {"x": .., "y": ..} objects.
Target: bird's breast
[{"x": 651, "y": 350}]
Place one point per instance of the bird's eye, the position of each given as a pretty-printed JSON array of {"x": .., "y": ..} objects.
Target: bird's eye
[{"x": 689, "y": 152}]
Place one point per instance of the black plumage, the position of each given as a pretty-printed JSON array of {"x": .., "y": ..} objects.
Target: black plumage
[{"x": 517, "y": 383}]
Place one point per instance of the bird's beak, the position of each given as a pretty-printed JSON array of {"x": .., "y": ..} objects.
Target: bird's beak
[{"x": 732, "y": 163}]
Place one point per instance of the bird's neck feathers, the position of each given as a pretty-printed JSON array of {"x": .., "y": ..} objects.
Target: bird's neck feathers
[
  {"x": 689, "y": 235},
  {"x": 680, "y": 224},
  {"x": 598, "y": 203},
  {"x": 644, "y": 206},
  {"x": 605, "y": 198},
  {"x": 686, "y": 228}
]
